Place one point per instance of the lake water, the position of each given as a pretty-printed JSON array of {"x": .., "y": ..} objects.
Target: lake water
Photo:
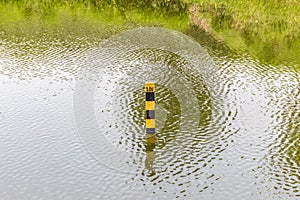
[{"x": 72, "y": 120}]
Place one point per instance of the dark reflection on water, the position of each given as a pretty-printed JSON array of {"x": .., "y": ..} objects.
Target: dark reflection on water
[
  {"x": 231, "y": 130},
  {"x": 284, "y": 152},
  {"x": 170, "y": 118},
  {"x": 165, "y": 97}
]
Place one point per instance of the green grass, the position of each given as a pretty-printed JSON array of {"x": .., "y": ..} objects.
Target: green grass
[
  {"x": 268, "y": 30},
  {"x": 80, "y": 18}
]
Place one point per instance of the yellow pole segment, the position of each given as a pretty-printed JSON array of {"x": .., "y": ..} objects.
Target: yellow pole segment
[{"x": 150, "y": 107}]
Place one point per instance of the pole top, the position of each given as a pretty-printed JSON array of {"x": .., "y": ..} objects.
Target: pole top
[{"x": 149, "y": 87}]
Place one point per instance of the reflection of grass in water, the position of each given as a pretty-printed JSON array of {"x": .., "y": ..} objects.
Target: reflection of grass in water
[
  {"x": 268, "y": 30},
  {"x": 87, "y": 18},
  {"x": 168, "y": 100},
  {"x": 285, "y": 159}
]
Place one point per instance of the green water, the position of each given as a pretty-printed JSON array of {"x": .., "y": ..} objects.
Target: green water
[
  {"x": 271, "y": 40},
  {"x": 72, "y": 109}
]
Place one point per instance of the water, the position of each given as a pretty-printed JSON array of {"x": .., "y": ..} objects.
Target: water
[{"x": 72, "y": 120}]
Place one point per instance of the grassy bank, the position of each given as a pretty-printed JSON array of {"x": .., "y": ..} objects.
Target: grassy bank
[
  {"x": 267, "y": 30},
  {"x": 80, "y": 18}
]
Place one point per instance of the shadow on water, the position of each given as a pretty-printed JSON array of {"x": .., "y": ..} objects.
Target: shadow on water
[{"x": 205, "y": 39}]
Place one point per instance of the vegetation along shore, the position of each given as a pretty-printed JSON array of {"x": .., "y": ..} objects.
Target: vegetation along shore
[{"x": 266, "y": 30}]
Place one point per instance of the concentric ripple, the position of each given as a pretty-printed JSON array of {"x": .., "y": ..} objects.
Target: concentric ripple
[
  {"x": 226, "y": 129},
  {"x": 120, "y": 68}
]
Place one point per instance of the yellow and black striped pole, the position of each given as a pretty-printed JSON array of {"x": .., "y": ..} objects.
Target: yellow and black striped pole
[{"x": 150, "y": 107}]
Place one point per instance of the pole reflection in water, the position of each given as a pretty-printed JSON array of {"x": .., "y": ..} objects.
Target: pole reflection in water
[
  {"x": 243, "y": 145},
  {"x": 150, "y": 155},
  {"x": 150, "y": 127}
]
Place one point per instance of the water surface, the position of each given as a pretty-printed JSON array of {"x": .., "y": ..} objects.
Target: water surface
[{"x": 72, "y": 121}]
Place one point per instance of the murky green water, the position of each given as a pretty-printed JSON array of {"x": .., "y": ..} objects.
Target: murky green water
[{"x": 72, "y": 120}]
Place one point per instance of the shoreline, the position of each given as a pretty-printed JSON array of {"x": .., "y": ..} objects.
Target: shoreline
[
  {"x": 275, "y": 45},
  {"x": 63, "y": 21}
]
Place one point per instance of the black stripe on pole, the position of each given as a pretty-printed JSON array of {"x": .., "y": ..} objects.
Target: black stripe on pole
[
  {"x": 150, "y": 130},
  {"x": 149, "y": 96},
  {"x": 150, "y": 114}
]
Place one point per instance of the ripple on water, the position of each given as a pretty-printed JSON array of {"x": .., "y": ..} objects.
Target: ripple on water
[
  {"x": 188, "y": 140},
  {"x": 229, "y": 130}
]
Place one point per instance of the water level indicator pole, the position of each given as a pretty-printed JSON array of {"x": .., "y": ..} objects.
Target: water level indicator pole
[
  {"x": 150, "y": 107},
  {"x": 150, "y": 128}
]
